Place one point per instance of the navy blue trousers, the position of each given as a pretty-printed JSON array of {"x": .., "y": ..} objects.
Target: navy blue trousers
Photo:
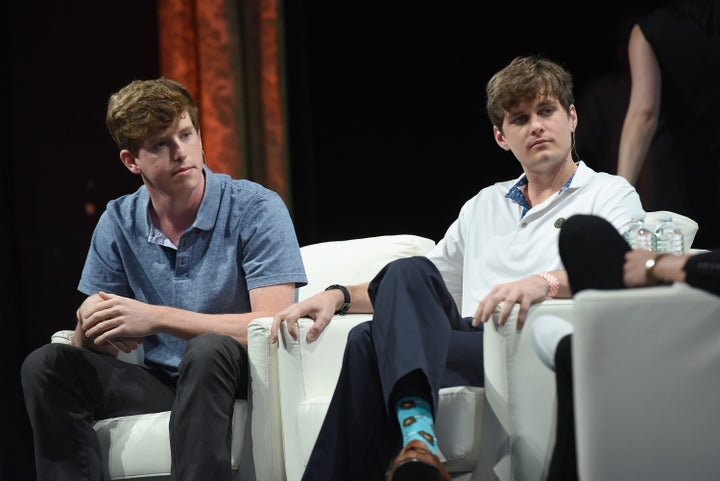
[{"x": 416, "y": 327}]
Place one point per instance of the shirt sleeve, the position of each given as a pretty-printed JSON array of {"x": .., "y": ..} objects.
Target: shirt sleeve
[
  {"x": 271, "y": 254},
  {"x": 703, "y": 271},
  {"x": 103, "y": 269}
]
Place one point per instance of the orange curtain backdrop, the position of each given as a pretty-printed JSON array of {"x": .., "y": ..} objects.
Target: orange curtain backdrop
[{"x": 227, "y": 53}]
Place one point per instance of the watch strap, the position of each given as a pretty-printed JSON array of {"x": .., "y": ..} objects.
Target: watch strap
[{"x": 346, "y": 294}]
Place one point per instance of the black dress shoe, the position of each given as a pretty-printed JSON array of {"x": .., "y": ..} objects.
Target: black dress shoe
[{"x": 416, "y": 463}]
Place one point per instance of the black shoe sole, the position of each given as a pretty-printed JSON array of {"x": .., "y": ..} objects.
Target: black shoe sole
[{"x": 416, "y": 470}]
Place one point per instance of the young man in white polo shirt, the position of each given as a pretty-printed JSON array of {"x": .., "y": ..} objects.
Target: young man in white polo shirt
[{"x": 502, "y": 248}]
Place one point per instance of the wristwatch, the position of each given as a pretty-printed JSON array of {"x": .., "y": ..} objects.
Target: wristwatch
[
  {"x": 650, "y": 278},
  {"x": 346, "y": 294}
]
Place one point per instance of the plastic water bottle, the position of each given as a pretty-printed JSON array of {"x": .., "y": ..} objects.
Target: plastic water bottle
[
  {"x": 668, "y": 236},
  {"x": 638, "y": 234}
]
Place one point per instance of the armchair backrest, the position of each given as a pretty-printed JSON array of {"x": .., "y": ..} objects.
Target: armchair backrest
[
  {"x": 645, "y": 365},
  {"x": 355, "y": 261},
  {"x": 688, "y": 226}
]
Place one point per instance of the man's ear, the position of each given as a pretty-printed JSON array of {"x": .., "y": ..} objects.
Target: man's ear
[
  {"x": 128, "y": 161},
  {"x": 202, "y": 151},
  {"x": 500, "y": 138}
]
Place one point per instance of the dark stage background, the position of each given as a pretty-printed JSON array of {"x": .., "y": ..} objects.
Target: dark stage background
[{"x": 388, "y": 132}]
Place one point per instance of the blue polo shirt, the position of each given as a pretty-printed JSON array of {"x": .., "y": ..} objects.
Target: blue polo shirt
[{"x": 242, "y": 238}]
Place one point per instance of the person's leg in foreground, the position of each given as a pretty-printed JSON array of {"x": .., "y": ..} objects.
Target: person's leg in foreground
[{"x": 593, "y": 253}]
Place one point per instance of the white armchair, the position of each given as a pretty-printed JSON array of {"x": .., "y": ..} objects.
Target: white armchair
[
  {"x": 645, "y": 370},
  {"x": 502, "y": 432},
  {"x": 307, "y": 373},
  {"x": 477, "y": 429},
  {"x": 519, "y": 429},
  {"x": 520, "y": 389}
]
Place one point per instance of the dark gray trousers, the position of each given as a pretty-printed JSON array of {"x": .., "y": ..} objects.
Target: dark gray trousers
[{"x": 67, "y": 388}]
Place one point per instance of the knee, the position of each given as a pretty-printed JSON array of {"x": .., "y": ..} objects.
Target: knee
[
  {"x": 359, "y": 341},
  {"x": 360, "y": 332},
  {"x": 404, "y": 271},
  {"x": 205, "y": 344},
  {"x": 211, "y": 351},
  {"x": 410, "y": 264},
  {"x": 43, "y": 360}
]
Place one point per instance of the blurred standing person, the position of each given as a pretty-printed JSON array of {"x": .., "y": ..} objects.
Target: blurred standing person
[
  {"x": 674, "y": 57},
  {"x": 603, "y": 104}
]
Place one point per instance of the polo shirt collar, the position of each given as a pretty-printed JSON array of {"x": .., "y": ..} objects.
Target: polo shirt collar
[
  {"x": 582, "y": 176},
  {"x": 207, "y": 213}
]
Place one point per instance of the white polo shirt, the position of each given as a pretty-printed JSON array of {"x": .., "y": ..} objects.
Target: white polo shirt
[{"x": 491, "y": 242}]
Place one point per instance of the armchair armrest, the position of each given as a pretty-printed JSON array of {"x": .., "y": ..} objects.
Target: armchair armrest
[
  {"x": 265, "y": 402},
  {"x": 308, "y": 374},
  {"x": 520, "y": 391},
  {"x": 135, "y": 357}
]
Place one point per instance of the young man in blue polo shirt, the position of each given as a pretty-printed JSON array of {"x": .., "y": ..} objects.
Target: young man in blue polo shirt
[{"x": 182, "y": 266}]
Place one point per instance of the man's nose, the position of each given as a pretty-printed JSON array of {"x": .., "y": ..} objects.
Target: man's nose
[{"x": 179, "y": 149}]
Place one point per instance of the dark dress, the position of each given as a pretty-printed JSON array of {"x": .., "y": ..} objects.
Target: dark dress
[{"x": 685, "y": 151}]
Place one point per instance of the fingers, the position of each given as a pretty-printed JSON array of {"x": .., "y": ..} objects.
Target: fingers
[
  {"x": 124, "y": 344},
  {"x": 317, "y": 327},
  {"x": 277, "y": 319},
  {"x": 522, "y": 313},
  {"x": 293, "y": 327},
  {"x": 105, "y": 296},
  {"x": 506, "y": 302},
  {"x": 275, "y": 328},
  {"x": 485, "y": 309},
  {"x": 106, "y": 348},
  {"x": 290, "y": 320},
  {"x": 505, "y": 310}
]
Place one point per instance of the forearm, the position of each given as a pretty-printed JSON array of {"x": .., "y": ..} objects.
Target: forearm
[
  {"x": 563, "y": 284},
  {"x": 643, "y": 108},
  {"x": 187, "y": 324},
  {"x": 638, "y": 130},
  {"x": 359, "y": 299},
  {"x": 669, "y": 268}
]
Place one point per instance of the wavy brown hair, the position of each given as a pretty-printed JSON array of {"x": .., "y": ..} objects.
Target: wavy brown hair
[
  {"x": 525, "y": 79},
  {"x": 147, "y": 107}
]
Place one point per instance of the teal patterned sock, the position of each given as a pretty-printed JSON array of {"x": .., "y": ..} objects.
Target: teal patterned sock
[{"x": 416, "y": 421}]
